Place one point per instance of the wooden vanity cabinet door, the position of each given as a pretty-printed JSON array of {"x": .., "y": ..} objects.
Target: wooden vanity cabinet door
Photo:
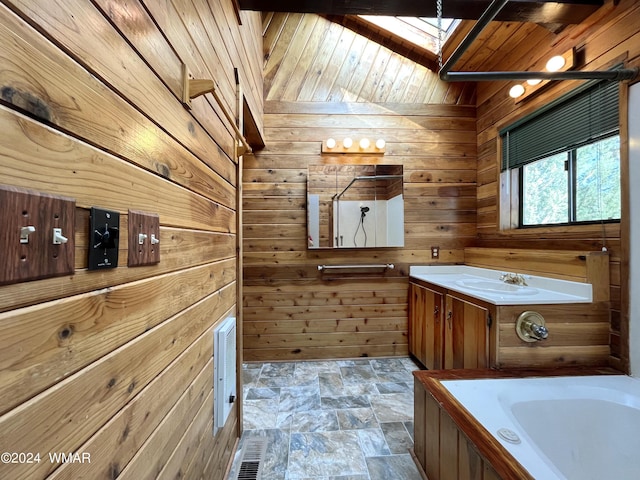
[
  {"x": 425, "y": 325},
  {"x": 417, "y": 321},
  {"x": 466, "y": 327},
  {"x": 434, "y": 334}
]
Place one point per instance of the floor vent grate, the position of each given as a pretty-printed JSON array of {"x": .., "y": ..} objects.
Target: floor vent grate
[{"x": 253, "y": 453}]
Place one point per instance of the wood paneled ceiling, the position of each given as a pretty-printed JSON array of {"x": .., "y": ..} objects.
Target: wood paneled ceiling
[{"x": 553, "y": 16}]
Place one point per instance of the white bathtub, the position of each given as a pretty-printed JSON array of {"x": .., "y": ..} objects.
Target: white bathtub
[{"x": 576, "y": 428}]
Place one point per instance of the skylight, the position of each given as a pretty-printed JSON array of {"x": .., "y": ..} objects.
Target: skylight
[{"x": 421, "y": 31}]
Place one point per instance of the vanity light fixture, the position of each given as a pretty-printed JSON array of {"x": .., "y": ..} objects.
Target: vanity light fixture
[{"x": 347, "y": 145}]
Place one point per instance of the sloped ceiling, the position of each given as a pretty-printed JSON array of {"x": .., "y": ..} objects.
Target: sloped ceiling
[{"x": 310, "y": 59}]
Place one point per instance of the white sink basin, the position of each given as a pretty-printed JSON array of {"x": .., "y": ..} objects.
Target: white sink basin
[
  {"x": 495, "y": 286},
  {"x": 485, "y": 284}
]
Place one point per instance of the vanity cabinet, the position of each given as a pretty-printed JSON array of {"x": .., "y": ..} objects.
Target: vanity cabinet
[
  {"x": 447, "y": 330},
  {"x": 466, "y": 333},
  {"x": 426, "y": 334}
]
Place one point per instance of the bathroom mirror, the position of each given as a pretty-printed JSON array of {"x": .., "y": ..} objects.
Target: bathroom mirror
[{"x": 355, "y": 206}]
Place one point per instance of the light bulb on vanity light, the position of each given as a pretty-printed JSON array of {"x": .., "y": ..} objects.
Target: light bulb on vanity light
[
  {"x": 331, "y": 143},
  {"x": 516, "y": 91},
  {"x": 364, "y": 143},
  {"x": 555, "y": 63},
  {"x": 347, "y": 143},
  {"x": 534, "y": 81},
  {"x": 380, "y": 143}
]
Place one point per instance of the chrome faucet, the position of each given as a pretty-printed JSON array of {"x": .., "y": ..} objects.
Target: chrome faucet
[{"x": 513, "y": 278}]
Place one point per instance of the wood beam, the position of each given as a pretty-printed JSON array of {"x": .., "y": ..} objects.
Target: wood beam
[{"x": 560, "y": 11}]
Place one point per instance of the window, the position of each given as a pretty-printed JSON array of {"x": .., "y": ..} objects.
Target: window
[
  {"x": 577, "y": 186},
  {"x": 420, "y": 31},
  {"x": 546, "y": 175},
  {"x": 563, "y": 161}
]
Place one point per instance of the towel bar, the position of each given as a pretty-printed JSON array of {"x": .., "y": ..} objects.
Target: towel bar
[{"x": 389, "y": 266}]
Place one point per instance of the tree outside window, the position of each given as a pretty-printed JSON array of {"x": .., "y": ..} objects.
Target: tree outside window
[{"x": 580, "y": 185}]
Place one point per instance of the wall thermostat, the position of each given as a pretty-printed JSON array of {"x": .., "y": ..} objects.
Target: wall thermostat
[{"x": 103, "y": 238}]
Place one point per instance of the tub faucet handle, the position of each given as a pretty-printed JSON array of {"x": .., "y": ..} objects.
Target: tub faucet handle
[
  {"x": 539, "y": 331},
  {"x": 530, "y": 327}
]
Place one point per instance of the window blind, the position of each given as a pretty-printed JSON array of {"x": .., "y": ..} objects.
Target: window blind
[{"x": 580, "y": 117}]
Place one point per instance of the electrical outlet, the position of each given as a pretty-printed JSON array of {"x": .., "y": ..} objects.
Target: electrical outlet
[
  {"x": 38, "y": 237},
  {"x": 144, "y": 239},
  {"x": 435, "y": 252}
]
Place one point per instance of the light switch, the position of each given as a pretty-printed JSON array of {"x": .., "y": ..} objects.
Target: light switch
[
  {"x": 27, "y": 221},
  {"x": 144, "y": 239}
]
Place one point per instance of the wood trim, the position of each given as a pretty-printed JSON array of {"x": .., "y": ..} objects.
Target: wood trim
[
  {"x": 236, "y": 10},
  {"x": 421, "y": 471},
  {"x": 273, "y": 107},
  {"x": 598, "y": 275},
  {"x": 625, "y": 228},
  {"x": 526, "y": 372},
  {"x": 240, "y": 112}
]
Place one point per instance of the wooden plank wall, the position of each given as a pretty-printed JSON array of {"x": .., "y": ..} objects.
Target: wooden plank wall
[
  {"x": 117, "y": 363},
  {"x": 610, "y": 34},
  {"x": 578, "y": 335},
  {"x": 322, "y": 80}
]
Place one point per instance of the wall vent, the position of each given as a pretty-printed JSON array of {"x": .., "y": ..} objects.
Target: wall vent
[
  {"x": 224, "y": 371},
  {"x": 253, "y": 453}
]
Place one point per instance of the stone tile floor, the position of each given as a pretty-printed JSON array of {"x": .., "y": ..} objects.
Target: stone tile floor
[{"x": 331, "y": 420}]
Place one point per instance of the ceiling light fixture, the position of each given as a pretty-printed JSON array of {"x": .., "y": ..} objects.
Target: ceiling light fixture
[
  {"x": 556, "y": 63},
  {"x": 516, "y": 91},
  {"x": 563, "y": 62}
]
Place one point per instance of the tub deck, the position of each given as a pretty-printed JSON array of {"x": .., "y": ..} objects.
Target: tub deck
[{"x": 450, "y": 444}]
